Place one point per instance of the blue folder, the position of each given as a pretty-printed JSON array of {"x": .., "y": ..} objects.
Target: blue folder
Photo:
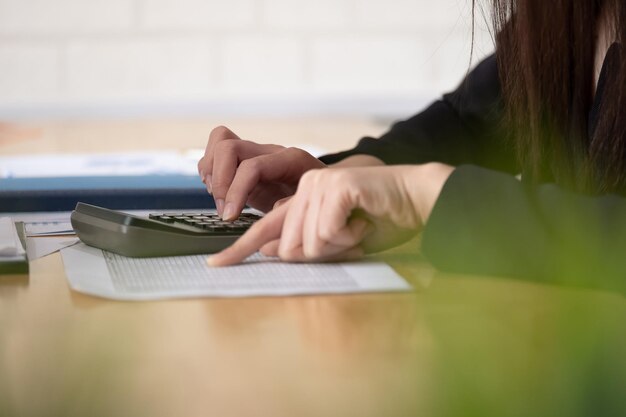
[{"x": 114, "y": 192}]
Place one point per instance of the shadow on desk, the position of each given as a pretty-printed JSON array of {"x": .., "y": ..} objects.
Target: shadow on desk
[{"x": 10, "y": 284}]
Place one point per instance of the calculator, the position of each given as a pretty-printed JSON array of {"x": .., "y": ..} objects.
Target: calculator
[{"x": 160, "y": 234}]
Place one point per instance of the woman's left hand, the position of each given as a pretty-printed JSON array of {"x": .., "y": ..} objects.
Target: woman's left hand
[{"x": 343, "y": 213}]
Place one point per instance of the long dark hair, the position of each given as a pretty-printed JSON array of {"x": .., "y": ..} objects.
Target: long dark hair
[{"x": 546, "y": 53}]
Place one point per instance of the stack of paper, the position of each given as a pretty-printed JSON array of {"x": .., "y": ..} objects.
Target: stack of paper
[{"x": 13, "y": 258}]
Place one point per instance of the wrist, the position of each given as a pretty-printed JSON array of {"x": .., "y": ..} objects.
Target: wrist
[{"x": 424, "y": 186}]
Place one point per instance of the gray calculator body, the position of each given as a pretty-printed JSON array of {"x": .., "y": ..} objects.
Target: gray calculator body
[{"x": 135, "y": 236}]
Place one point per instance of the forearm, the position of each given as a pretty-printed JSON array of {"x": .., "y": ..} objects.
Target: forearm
[{"x": 358, "y": 161}]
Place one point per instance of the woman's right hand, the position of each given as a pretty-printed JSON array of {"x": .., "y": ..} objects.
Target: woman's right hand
[
  {"x": 343, "y": 213},
  {"x": 239, "y": 172}
]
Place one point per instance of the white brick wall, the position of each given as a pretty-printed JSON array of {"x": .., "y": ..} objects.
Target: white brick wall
[
  {"x": 139, "y": 68},
  {"x": 98, "y": 53},
  {"x": 297, "y": 15},
  {"x": 261, "y": 64},
  {"x": 368, "y": 64},
  {"x": 29, "y": 72},
  {"x": 199, "y": 15},
  {"x": 411, "y": 15},
  {"x": 73, "y": 17}
]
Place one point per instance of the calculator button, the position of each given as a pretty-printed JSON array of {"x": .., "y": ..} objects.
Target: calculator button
[
  {"x": 210, "y": 222},
  {"x": 235, "y": 228}
]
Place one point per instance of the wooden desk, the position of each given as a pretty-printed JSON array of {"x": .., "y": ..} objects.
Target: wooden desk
[
  {"x": 332, "y": 134},
  {"x": 463, "y": 346}
]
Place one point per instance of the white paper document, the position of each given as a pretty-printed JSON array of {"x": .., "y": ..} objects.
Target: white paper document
[
  {"x": 10, "y": 244},
  {"x": 38, "y": 247},
  {"x": 104, "y": 274},
  {"x": 48, "y": 228}
]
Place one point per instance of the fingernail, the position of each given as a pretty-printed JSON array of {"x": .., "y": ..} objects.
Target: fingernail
[
  {"x": 213, "y": 261},
  {"x": 229, "y": 212},
  {"x": 219, "y": 203}
]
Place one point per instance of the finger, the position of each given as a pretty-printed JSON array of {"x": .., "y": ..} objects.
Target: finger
[
  {"x": 330, "y": 206},
  {"x": 335, "y": 254},
  {"x": 205, "y": 165},
  {"x": 267, "y": 229},
  {"x": 354, "y": 232},
  {"x": 312, "y": 245},
  {"x": 339, "y": 254},
  {"x": 270, "y": 248},
  {"x": 265, "y": 168},
  {"x": 263, "y": 197},
  {"x": 227, "y": 155},
  {"x": 337, "y": 226},
  {"x": 291, "y": 239},
  {"x": 254, "y": 164},
  {"x": 350, "y": 254}
]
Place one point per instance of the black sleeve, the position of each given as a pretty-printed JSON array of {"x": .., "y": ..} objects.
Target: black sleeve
[
  {"x": 461, "y": 128},
  {"x": 489, "y": 223}
]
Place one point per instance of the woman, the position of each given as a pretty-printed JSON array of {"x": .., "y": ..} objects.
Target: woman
[{"x": 550, "y": 106}]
